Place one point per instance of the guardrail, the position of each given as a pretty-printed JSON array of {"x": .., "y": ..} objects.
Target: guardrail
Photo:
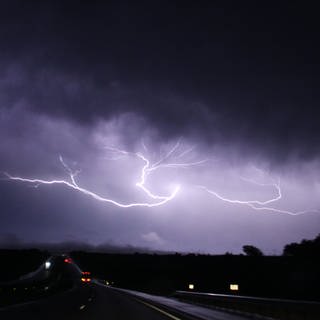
[{"x": 273, "y": 308}]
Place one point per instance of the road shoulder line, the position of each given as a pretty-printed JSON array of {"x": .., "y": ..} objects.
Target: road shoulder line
[{"x": 158, "y": 309}]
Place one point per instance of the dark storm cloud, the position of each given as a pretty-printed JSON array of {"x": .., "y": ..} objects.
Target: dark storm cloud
[{"x": 243, "y": 74}]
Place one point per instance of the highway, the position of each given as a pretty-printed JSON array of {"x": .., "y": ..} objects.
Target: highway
[
  {"x": 95, "y": 301},
  {"x": 60, "y": 290}
]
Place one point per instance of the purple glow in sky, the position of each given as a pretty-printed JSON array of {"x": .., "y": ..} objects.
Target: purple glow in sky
[
  {"x": 178, "y": 178},
  {"x": 202, "y": 136},
  {"x": 175, "y": 152}
]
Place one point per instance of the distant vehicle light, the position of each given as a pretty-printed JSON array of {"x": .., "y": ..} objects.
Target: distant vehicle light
[
  {"x": 47, "y": 265},
  {"x": 234, "y": 287},
  {"x": 191, "y": 286},
  {"x": 86, "y": 276},
  {"x": 67, "y": 260}
]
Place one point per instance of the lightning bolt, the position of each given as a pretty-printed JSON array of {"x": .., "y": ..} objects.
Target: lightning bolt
[
  {"x": 146, "y": 170},
  {"x": 256, "y": 204},
  {"x": 171, "y": 159}
]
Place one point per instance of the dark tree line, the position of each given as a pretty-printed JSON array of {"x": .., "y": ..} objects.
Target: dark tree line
[
  {"x": 306, "y": 248},
  {"x": 252, "y": 251}
]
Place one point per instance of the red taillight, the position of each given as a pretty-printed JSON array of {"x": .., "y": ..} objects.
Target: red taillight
[{"x": 67, "y": 260}]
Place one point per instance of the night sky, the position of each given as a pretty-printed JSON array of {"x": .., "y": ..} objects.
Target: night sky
[{"x": 205, "y": 112}]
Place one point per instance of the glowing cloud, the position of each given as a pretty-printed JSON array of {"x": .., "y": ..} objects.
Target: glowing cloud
[
  {"x": 173, "y": 158},
  {"x": 147, "y": 169}
]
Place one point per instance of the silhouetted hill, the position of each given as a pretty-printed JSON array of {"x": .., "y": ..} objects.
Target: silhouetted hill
[{"x": 17, "y": 262}]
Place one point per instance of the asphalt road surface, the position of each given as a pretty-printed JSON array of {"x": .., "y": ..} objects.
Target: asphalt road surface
[{"x": 91, "y": 301}]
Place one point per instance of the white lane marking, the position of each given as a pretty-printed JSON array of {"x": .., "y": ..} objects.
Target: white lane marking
[
  {"x": 82, "y": 307},
  {"x": 159, "y": 310}
]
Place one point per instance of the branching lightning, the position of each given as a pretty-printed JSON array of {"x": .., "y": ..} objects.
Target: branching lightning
[
  {"x": 171, "y": 159},
  {"x": 259, "y": 205},
  {"x": 147, "y": 169}
]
